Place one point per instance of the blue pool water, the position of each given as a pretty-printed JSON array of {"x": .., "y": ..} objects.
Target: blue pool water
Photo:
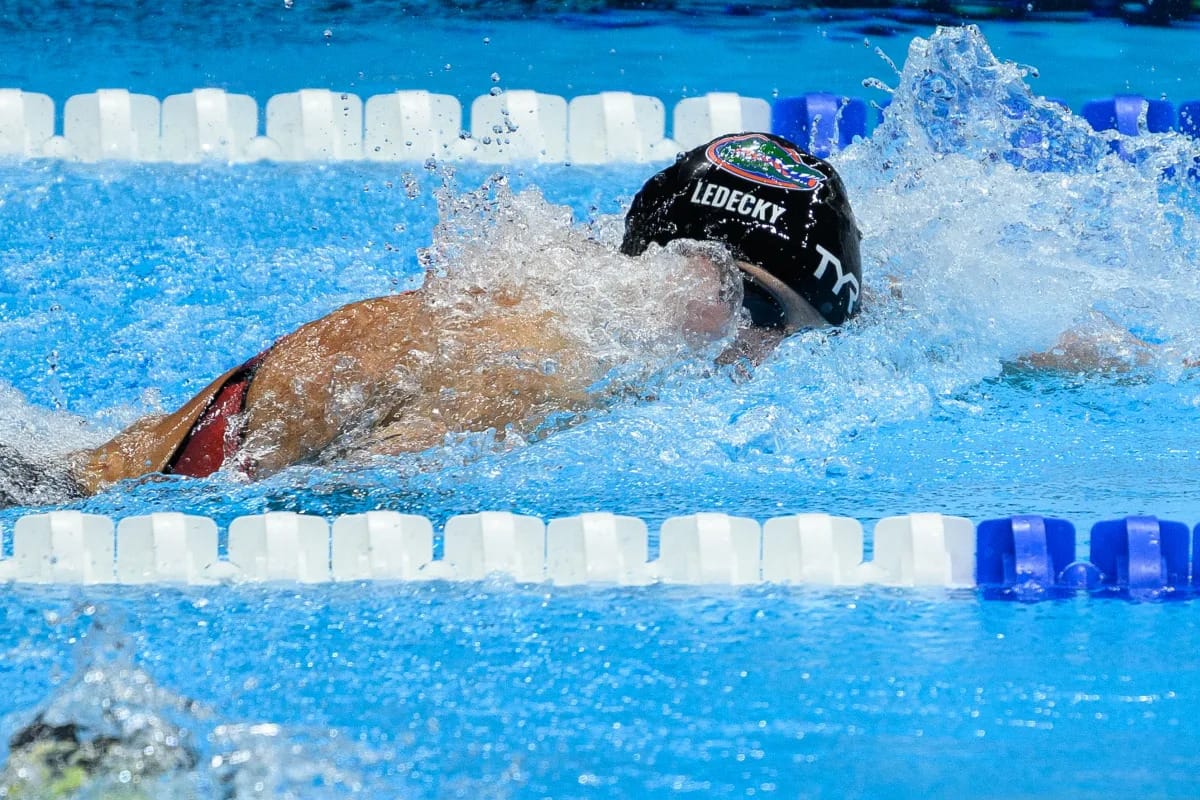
[
  {"x": 124, "y": 288},
  {"x": 370, "y": 48}
]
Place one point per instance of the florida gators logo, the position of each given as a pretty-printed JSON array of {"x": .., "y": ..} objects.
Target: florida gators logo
[{"x": 761, "y": 160}]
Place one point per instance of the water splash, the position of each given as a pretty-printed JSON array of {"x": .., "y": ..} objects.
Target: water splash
[
  {"x": 496, "y": 247},
  {"x": 955, "y": 96},
  {"x": 995, "y": 219},
  {"x": 111, "y": 731},
  {"x": 34, "y": 449},
  {"x": 997, "y": 226},
  {"x": 994, "y": 223}
]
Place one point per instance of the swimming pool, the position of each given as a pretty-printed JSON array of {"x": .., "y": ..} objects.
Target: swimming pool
[{"x": 126, "y": 286}]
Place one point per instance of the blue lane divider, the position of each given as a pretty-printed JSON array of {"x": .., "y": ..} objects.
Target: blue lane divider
[
  {"x": 820, "y": 122},
  {"x": 1123, "y": 113},
  {"x": 1189, "y": 118},
  {"x": 1030, "y": 557},
  {"x": 1026, "y": 557},
  {"x": 1141, "y": 556},
  {"x": 210, "y": 124}
]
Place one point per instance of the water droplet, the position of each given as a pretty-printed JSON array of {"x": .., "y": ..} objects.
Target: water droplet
[
  {"x": 447, "y": 68},
  {"x": 496, "y": 91},
  {"x": 495, "y": 77},
  {"x": 487, "y": 40},
  {"x": 328, "y": 34}
]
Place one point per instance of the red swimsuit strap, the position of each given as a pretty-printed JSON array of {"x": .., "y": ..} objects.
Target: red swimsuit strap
[{"x": 212, "y": 438}]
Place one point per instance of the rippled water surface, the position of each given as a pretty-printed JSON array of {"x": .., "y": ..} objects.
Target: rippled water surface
[{"x": 502, "y": 691}]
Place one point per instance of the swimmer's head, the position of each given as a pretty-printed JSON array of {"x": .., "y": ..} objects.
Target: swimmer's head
[{"x": 782, "y": 213}]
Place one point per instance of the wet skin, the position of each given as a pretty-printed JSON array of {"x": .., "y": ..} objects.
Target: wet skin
[{"x": 392, "y": 375}]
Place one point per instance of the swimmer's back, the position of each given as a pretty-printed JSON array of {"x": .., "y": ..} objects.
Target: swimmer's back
[
  {"x": 385, "y": 375},
  {"x": 395, "y": 374}
]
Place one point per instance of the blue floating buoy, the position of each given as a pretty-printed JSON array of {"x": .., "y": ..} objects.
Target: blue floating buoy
[
  {"x": 1196, "y": 559},
  {"x": 1142, "y": 556},
  {"x": 1023, "y": 556},
  {"x": 819, "y": 122},
  {"x": 1189, "y": 118},
  {"x": 1081, "y": 575},
  {"x": 1123, "y": 114}
]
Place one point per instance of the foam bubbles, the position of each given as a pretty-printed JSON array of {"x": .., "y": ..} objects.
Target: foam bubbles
[
  {"x": 632, "y": 317},
  {"x": 996, "y": 220},
  {"x": 997, "y": 226},
  {"x": 35, "y": 446},
  {"x": 111, "y": 730}
]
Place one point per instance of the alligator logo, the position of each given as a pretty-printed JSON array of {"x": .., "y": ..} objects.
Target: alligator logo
[{"x": 762, "y": 160}]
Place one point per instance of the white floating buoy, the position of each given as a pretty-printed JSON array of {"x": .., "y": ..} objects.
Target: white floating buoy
[
  {"x": 207, "y": 124},
  {"x": 812, "y": 548},
  {"x": 614, "y": 127},
  {"x": 26, "y": 122},
  {"x": 517, "y": 126},
  {"x": 411, "y": 125},
  {"x": 925, "y": 550},
  {"x": 112, "y": 124},
  {"x": 701, "y": 119},
  {"x": 166, "y": 548},
  {"x": 477, "y": 545},
  {"x": 280, "y": 546},
  {"x": 315, "y": 125},
  {"x": 597, "y": 548},
  {"x": 63, "y": 547},
  {"x": 709, "y": 548},
  {"x": 381, "y": 544}
]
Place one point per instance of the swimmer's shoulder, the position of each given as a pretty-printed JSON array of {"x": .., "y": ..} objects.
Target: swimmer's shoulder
[
  {"x": 363, "y": 321},
  {"x": 404, "y": 303},
  {"x": 411, "y": 322}
]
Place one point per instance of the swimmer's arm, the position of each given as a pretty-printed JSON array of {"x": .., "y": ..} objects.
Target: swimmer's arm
[{"x": 1099, "y": 346}]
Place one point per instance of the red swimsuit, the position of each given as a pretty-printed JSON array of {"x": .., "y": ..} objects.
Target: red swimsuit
[{"x": 212, "y": 438}]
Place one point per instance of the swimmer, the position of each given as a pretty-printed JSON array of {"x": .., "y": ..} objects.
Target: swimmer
[
  {"x": 111, "y": 733},
  {"x": 66, "y": 759},
  {"x": 399, "y": 373}
]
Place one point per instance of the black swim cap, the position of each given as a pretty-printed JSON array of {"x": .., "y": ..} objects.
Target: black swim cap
[{"x": 773, "y": 206}]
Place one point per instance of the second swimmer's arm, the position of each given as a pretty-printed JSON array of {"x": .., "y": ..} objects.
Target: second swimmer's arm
[{"x": 1099, "y": 346}]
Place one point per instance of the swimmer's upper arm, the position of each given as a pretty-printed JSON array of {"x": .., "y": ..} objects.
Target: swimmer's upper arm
[{"x": 1100, "y": 346}]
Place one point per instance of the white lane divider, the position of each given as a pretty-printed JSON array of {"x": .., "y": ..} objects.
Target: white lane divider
[{"x": 596, "y": 549}]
